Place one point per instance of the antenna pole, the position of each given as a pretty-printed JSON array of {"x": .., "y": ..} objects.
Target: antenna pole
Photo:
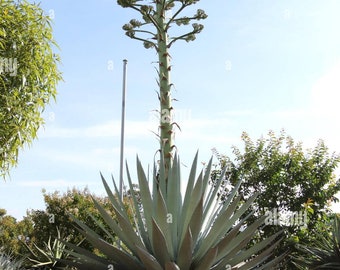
[{"x": 122, "y": 132}]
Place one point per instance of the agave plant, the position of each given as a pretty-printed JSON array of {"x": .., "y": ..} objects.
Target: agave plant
[
  {"x": 326, "y": 252},
  {"x": 196, "y": 232},
  {"x": 9, "y": 263},
  {"x": 48, "y": 257}
]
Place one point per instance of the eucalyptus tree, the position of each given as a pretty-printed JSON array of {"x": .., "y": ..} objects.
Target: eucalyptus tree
[
  {"x": 28, "y": 76},
  {"x": 157, "y": 18}
]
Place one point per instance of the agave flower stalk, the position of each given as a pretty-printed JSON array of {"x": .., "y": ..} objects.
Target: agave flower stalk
[
  {"x": 193, "y": 232},
  {"x": 154, "y": 14}
]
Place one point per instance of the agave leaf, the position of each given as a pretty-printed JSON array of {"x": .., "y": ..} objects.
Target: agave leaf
[
  {"x": 190, "y": 185},
  {"x": 246, "y": 254},
  {"x": 191, "y": 181},
  {"x": 211, "y": 207},
  {"x": 260, "y": 258},
  {"x": 163, "y": 220},
  {"x": 101, "y": 226},
  {"x": 173, "y": 197},
  {"x": 85, "y": 265},
  {"x": 41, "y": 250},
  {"x": 196, "y": 193},
  {"x": 160, "y": 244},
  {"x": 111, "y": 223},
  {"x": 238, "y": 213},
  {"x": 117, "y": 192},
  {"x": 140, "y": 223},
  {"x": 209, "y": 218},
  {"x": 43, "y": 263},
  {"x": 224, "y": 244},
  {"x": 223, "y": 223},
  {"x": 196, "y": 220},
  {"x": 208, "y": 259},
  {"x": 124, "y": 259},
  {"x": 325, "y": 253},
  {"x": 336, "y": 232},
  {"x": 253, "y": 261},
  {"x": 171, "y": 266},
  {"x": 226, "y": 215},
  {"x": 155, "y": 177},
  {"x": 113, "y": 253},
  {"x": 155, "y": 188},
  {"x": 161, "y": 178},
  {"x": 194, "y": 201},
  {"x": 207, "y": 174},
  {"x": 127, "y": 233},
  {"x": 84, "y": 254},
  {"x": 274, "y": 263},
  {"x": 146, "y": 198},
  {"x": 185, "y": 251},
  {"x": 236, "y": 244},
  {"x": 118, "y": 205},
  {"x": 187, "y": 197},
  {"x": 148, "y": 260},
  {"x": 241, "y": 240},
  {"x": 212, "y": 195}
]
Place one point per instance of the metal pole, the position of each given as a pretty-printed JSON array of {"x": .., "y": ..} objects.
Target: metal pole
[{"x": 122, "y": 132}]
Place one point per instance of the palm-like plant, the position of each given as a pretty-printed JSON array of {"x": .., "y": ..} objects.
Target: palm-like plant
[
  {"x": 195, "y": 233},
  {"x": 49, "y": 256},
  {"x": 7, "y": 262},
  {"x": 326, "y": 252}
]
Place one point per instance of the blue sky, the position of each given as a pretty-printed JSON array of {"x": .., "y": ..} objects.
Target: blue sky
[{"x": 257, "y": 66}]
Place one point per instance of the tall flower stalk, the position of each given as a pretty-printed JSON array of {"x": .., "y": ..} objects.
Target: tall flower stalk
[{"x": 158, "y": 16}]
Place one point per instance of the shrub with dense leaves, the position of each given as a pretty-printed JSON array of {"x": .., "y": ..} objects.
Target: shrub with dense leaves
[{"x": 289, "y": 180}]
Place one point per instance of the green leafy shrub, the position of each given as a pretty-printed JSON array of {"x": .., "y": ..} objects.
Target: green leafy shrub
[{"x": 289, "y": 180}]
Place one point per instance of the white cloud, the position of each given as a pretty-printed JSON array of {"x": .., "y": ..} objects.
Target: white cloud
[
  {"x": 238, "y": 113},
  {"x": 109, "y": 129},
  {"x": 326, "y": 93},
  {"x": 49, "y": 183},
  {"x": 97, "y": 158}
]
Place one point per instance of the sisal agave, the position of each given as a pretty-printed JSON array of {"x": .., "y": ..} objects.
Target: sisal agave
[{"x": 169, "y": 232}]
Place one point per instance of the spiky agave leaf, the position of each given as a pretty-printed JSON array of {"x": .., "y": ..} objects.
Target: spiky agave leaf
[
  {"x": 48, "y": 256},
  {"x": 195, "y": 233},
  {"x": 325, "y": 254},
  {"x": 8, "y": 262}
]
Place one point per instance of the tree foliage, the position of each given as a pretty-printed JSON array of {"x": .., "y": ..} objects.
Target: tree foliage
[
  {"x": 40, "y": 227},
  {"x": 296, "y": 187},
  {"x": 28, "y": 76},
  {"x": 13, "y": 233},
  {"x": 56, "y": 216}
]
